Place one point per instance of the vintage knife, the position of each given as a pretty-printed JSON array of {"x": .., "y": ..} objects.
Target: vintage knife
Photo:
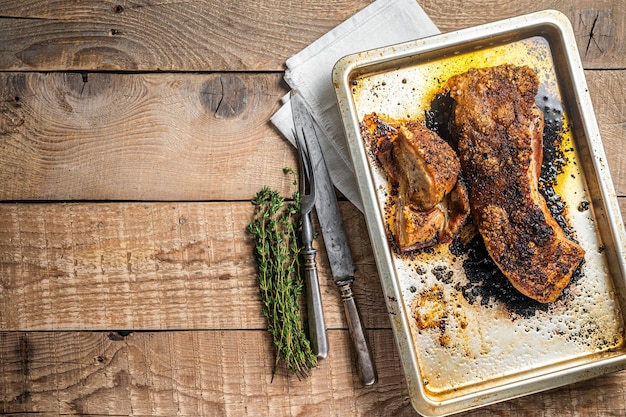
[{"x": 335, "y": 240}]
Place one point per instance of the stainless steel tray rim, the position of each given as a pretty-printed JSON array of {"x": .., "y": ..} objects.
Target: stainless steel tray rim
[
  {"x": 431, "y": 408},
  {"x": 348, "y": 65},
  {"x": 555, "y": 18}
]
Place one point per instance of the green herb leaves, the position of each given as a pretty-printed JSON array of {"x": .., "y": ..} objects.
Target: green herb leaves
[{"x": 277, "y": 246}]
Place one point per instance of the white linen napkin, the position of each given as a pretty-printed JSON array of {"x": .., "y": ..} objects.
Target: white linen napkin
[{"x": 382, "y": 23}]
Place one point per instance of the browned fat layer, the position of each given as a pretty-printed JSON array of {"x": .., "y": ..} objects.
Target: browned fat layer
[{"x": 500, "y": 128}]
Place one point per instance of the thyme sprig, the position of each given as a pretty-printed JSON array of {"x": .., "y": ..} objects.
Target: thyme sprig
[{"x": 277, "y": 246}]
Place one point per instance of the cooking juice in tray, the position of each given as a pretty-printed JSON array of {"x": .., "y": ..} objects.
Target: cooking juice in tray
[{"x": 469, "y": 326}]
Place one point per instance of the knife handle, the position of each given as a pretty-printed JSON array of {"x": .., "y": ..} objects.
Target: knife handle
[
  {"x": 317, "y": 325},
  {"x": 365, "y": 363}
]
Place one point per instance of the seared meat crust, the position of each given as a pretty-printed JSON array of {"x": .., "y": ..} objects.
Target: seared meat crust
[
  {"x": 431, "y": 203},
  {"x": 500, "y": 145},
  {"x": 429, "y": 167}
]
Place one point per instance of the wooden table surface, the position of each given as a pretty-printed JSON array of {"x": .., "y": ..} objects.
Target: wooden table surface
[{"x": 133, "y": 135}]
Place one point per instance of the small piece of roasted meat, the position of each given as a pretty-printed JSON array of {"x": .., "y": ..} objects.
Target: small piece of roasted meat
[
  {"x": 430, "y": 205},
  {"x": 500, "y": 129},
  {"x": 414, "y": 229},
  {"x": 428, "y": 167}
]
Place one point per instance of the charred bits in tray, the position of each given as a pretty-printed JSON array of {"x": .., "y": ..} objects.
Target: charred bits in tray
[
  {"x": 443, "y": 274},
  {"x": 554, "y": 158},
  {"x": 438, "y": 117},
  {"x": 487, "y": 285}
]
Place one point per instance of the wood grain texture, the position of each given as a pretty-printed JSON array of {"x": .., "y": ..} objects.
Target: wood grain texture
[
  {"x": 237, "y": 36},
  {"x": 228, "y": 373},
  {"x": 151, "y": 266},
  {"x": 149, "y": 307},
  {"x": 163, "y": 35},
  {"x": 610, "y": 111},
  {"x": 159, "y": 266},
  {"x": 64, "y": 136},
  {"x": 167, "y": 137}
]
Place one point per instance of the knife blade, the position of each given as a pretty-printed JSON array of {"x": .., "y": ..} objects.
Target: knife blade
[{"x": 335, "y": 240}]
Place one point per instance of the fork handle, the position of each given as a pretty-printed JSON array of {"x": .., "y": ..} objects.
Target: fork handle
[{"x": 317, "y": 326}]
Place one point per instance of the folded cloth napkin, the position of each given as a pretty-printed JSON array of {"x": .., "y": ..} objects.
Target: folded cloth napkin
[{"x": 382, "y": 23}]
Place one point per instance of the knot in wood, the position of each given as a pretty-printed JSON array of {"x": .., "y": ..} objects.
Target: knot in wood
[
  {"x": 84, "y": 85},
  {"x": 226, "y": 96}
]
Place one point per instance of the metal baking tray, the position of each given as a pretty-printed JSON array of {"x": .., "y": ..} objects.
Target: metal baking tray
[{"x": 464, "y": 341}]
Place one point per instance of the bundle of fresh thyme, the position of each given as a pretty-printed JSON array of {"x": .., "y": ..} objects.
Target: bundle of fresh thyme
[{"x": 275, "y": 229}]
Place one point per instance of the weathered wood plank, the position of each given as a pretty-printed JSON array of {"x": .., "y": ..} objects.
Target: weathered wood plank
[
  {"x": 610, "y": 110},
  {"x": 90, "y": 266},
  {"x": 178, "y": 266},
  {"x": 228, "y": 373},
  {"x": 245, "y": 35},
  {"x": 140, "y": 136},
  {"x": 163, "y": 35},
  {"x": 211, "y": 373},
  {"x": 162, "y": 137},
  {"x": 150, "y": 266}
]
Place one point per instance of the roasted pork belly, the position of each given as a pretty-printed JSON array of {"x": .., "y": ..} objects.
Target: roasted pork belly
[
  {"x": 499, "y": 129},
  {"x": 429, "y": 205}
]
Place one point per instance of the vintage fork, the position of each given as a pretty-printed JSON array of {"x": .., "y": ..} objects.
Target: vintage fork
[{"x": 315, "y": 313}]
